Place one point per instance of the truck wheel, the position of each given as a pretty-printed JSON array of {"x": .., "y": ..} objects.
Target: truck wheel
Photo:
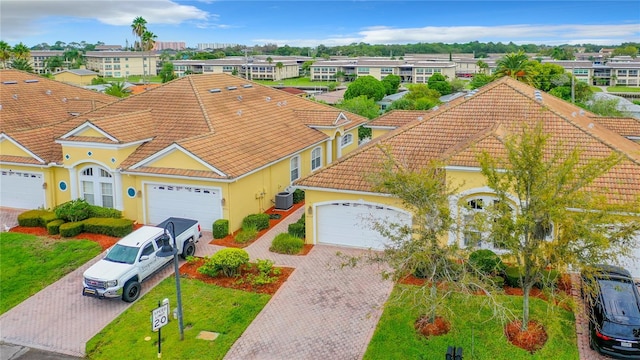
[
  {"x": 188, "y": 250},
  {"x": 131, "y": 291}
]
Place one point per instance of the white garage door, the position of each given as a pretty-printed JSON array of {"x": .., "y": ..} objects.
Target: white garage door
[
  {"x": 632, "y": 262},
  {"x": 352, "y": 224},
  {"x": 199, "y": 203},
  {"x": 21, "y": 190}
]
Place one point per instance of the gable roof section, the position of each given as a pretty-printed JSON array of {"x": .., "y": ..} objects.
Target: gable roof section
[
  {"x": 30, "y": 101},
  {"x": 627, "y": 127},
  {"x": 25, "y": 155},
  {"x": 458, "y": 133},
  {"x": 118, "y": 129}
]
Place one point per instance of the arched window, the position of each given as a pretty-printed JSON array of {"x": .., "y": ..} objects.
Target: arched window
[
  {"x": 316, "y": 158},
  {"x": 347, "y": 140},
  {"x": 96, "y": 186},
  {"x": 472, "y": 236}
]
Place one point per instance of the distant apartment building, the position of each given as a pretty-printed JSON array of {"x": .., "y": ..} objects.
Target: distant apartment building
[
  {"x": 214, "y": 46},
  {"x": 249, "y": 68},
  {"x": 409, "y": 71},
  {"x": 622, "y": 71},
  {"x": 108, "y": 48},
  {"x": 169, "y": 45},
  {"x": 39, "y": 58},
  {"x": 122, "y": 63}
]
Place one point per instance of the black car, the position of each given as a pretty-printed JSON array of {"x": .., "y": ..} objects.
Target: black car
[{"x": 612, "y": 303}]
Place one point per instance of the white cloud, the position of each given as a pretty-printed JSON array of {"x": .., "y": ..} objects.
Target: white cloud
[
  {"x": 520, "y": 34},
  {"x": 20, "y": 17}
]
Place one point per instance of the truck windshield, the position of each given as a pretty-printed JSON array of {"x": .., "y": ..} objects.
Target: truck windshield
[{"x": 122, "y": 254}]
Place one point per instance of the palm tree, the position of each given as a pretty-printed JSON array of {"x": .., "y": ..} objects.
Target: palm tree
[
  {"x": 5, "y": 53},
  {"x": 117, "y": 89},
  {"x": 73, "y": 58},
  {"x": 53, "y": 63},
  {"x": 21, "y": 64},
  {"x": 517, "y": 66},
  {"x": 21, "y": 51},
  {"x": 138, "y": 27},
  {"x": 148, "y": 42},
  {"x": 483, "y": 66},
  {"x": 279, "y": 67}
]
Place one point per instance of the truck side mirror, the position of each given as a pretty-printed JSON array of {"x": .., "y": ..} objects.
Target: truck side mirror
[{"x": 144, "y": 257}]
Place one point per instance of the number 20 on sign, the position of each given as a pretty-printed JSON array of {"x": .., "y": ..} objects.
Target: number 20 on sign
[{"x": 160, "y": 317}]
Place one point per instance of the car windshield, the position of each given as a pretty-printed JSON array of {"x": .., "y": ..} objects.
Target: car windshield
[
  {"x": 620, "y": 302},
  {"x": 122, "y": 254}
]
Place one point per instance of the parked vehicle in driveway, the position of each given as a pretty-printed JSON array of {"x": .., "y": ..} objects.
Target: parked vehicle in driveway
[
  {"x": 133, "y": 259},
  {"x": 612, "y": 302}
]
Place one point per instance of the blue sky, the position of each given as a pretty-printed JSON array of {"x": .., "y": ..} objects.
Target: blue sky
[{"x": 331, "y": 23}]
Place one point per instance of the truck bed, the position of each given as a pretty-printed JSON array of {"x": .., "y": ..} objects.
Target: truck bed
[{"x": 180, "y": 224}]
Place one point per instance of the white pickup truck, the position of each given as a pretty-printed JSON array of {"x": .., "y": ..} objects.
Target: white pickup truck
[{"x": 133, "y": 259}]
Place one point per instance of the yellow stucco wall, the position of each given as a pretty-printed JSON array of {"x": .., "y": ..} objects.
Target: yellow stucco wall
[
  {"x": 90, "y": 132},
  {"x": 109, "y": 157},
  {"x": 75, "y": 79},
  {"x": 378, "y": 132},
  {"x": 9, "y": 148},
  {"x": 178, "y": 160}
]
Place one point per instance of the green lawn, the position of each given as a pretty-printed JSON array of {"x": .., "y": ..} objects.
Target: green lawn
[
  {"x": 595, "y": 89},
  {"x": 206, "y": 308},
  {"x": 623, "y": 89},
  {"x": 136, "y": 79},
  {"x": 472, "y": 329},
  {"x": 29, "y": 263}
]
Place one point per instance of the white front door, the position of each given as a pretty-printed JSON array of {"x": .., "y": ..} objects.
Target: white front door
[
  {"x": 352, "y": 224},
  {"x": 22, "y": 189},
  {"x": 186, "y": 201}
]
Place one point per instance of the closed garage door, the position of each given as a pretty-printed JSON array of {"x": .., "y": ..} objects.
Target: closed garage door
[
  {"x": 352, "y": 224},
  {"x": 632, "y": 263},
  {"x": 199, "y": 203},
  {"x": 21, "y": 190}
]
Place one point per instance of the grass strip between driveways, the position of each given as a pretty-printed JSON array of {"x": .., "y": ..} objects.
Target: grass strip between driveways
[
  {"x": 206, "y": 307},
  {"x": 471, "y": 328},
  {"x": 29, "y": 263}
]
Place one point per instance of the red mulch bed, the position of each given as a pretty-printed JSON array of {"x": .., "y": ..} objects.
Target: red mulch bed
[
  {"x": 190, "y": 270},
  {"x": 229, "y": 240},
  {"x": 439, "y": 326},
  {"x": 532, "y": 340}
]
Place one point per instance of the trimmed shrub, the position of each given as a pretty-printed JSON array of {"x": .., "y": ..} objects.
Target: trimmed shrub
[
  {"x": 512, "y": 276},
  {"x": 32, "y": 218},
  {"x": 498, "y": 281},
  {"x": 274, "y": 216},
  {"x": 228, "y": 261},
  {"x": 74, "y": 210},
  {"x": 71, "y": 229},
  {"x": 286, "y": 244},
  {"x": 108, "y": 226},
  {"x": 53, "y": 227},
  {"x": 220, "y": 228},
  {"x": 486, "y": 262},
  {"x": 297, "y": 230},
  {"x": 258, "y": 221},
  {"x": 298, "y": 196},
  {"x": 46, "y": 218},
  {"x": 246, "y": 234},
  {"x": 102, "y": 212}
]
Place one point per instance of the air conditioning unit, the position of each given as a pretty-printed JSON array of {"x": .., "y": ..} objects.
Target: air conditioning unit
[{"x": 284, "y": 200}]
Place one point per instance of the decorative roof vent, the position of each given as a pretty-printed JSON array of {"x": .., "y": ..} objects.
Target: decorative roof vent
[
  {"x": 581, "y": 113},
  {"x": 0, "y": 106},
  {"x": 246, "y": 86},
  {"x": 15, "y": 96},
  {"x": 239, "y": 97},
  {"x": 591, "y": 125},
  {"x": 574, "y": 114},
  {"x": 48, "y": 92},
  {"x": 28, "y": 81},
  {"x": 279, "y": 104},
  {"x": 239, "y": 112},
  {"x": 10, "y": 82},
  {"x": 420, "y": 118},
  {"x": 232, "y": 88},
  {"x": 435, "y": 108},
  {"x": 267, "y": 99},
  {"x": 64, "y": 100},
  {"x": 215, "y": 90},
  {"x": 284, "y": 102}
]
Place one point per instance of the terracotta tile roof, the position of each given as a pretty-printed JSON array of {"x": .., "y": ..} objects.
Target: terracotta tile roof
[
  {"x": 30, "y": 101},
  {"x": 231, "y": 124},
  {"x": 19, "y": 160},
  {"x": 627, "y": 127},
  {"x": 397, "y": 118},
  {"x": 137, "y": 89},
  {"x": 456, "y": 134},
  {"x": 294, "y": 91}
]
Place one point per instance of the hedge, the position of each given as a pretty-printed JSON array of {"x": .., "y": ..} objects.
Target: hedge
[
  {"x": 108, "y": 226},
  {"x": 220, "y": 228},
  {"x": 71, "y": 229},
  {"x": 259, "y": 221},
  {"x": 486, "y": 262},
  {"x": 298, "y": 196},
  {"x": 53, "y": 227},
  {"x": 297, "y": 230},
  {"x": 102, "y": 212},
  {"x": 246, "y": 234},
  {"x": 74, "y": 210},
  {"x": 35, "y": 218},
  {"x": 228, "y": 261}
]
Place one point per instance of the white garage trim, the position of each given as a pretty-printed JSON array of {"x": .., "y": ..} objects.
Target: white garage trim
[
  {"x": 351, "y": 223},
  {"x": 163, "y": 200},
  {"x": 22, "y": 189}
]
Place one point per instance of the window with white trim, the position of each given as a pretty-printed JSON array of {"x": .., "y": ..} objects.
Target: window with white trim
[
  {"x": 295, "y": 167},
  {"x": 472, "y": 236},
  {"x": 316, "y": 158},
  {"x": 346, "y": 140},
  {"x": 97, "y": 186}
]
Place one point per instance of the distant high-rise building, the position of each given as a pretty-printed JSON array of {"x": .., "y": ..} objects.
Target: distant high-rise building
[
  {"x": 169, "y": 45},
  {"x": 212, "y": 46}
]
